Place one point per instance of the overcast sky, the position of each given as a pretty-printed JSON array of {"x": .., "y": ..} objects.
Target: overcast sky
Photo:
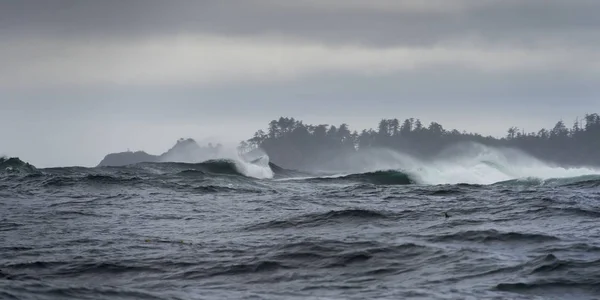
[{"x": 80, "y": 79}]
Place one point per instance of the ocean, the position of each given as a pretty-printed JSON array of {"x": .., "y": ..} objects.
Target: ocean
[{"x": 228, "y": 230}]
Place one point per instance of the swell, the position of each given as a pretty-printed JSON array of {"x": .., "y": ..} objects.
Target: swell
[
  {"x": 592, "y": 183},
  {"x": 209, "y": 167},
  {"x": 312, "y": 254},
  {"x": 43, "y": 290},
  {"x": 492, "y": 235},
  {"x": 15, "y": 166},
  {"x": 395, "y": 177},
  {"x": 210, "y": 189},
  {"x": 548, "y": 274},
  {"x": 383, "y": 177},
  {"x": 320, "y": 219},
  {"x": 219, "y": 167},
  {"x": 65, "y": 268},
  {"x": 308, "y": 253},
  {"x": 285, "y": 173},
  {"x": 229, "y": 167},
  {"x": 574, "y": 211},
  {"x": 92, "y": 179},
  {"x": 178, "y": 177},
  {"x": 109, "y": 179},
  {"x": 585, "y": 181}
]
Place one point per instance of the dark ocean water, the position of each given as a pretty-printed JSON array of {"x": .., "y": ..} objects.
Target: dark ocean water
[{"x": 204, "y": 231}]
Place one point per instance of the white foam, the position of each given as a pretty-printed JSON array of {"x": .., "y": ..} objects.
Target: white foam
[
  {"x": 260, "y": 169},
  {"x": 469, "y": 163}
]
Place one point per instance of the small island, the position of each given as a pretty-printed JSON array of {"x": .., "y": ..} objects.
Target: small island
[{"x": 184, "y": 150}]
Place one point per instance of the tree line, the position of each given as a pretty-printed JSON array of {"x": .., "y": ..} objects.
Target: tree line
[{"x": 291, "y": 143}]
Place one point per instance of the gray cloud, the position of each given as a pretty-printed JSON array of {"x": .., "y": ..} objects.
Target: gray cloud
[
  {"x": 380, "y": 22},
  {"x": 105, "y": 75},
  {"x": 209, "y": 60},
  {"x": 89, "y": 42}
]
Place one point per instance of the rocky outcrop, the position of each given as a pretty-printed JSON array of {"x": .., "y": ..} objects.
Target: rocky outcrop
[
  {"x": 185, "y": 150},
  {"x": 127, "y": 158}
]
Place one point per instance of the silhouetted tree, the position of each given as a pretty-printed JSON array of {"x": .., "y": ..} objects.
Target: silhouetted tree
[{"x": 291, "y": 143}]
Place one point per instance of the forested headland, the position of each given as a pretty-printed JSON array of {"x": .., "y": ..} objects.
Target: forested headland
[{"x": 293, "y": 144}]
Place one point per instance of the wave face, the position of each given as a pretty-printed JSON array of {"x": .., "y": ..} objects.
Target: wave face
[
  {"x": 384, "y": 177},
  {"x": 232, "y": 167},
  {"x": 215, "y": 167},
  {"x": 14, "y": 165},
  {"x": 228, "y": 229},
  {"x": 208, "y": 177}
]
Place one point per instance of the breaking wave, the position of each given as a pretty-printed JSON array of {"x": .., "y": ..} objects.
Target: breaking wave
[
  {"x": 14, "y": 165},
  {"x": 214, "y": 167},
  {"x": 461, "y": 164}
]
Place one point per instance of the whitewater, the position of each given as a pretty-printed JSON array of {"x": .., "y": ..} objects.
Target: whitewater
[
  {"x": 473, "y": 222},
  {"x": 463, "y": 164}
]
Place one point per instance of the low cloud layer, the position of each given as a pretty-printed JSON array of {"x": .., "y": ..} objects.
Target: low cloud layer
[
  {"x": 108, "y": 68},
  {"x": 190, "y": 60},
  {"x": 383, "y": 22},
  {"x": 65, "y": 42}
]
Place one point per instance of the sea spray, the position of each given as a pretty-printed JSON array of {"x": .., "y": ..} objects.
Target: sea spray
[
  {"x": 258, "y": 169},
  {"x": 469, "y": 163},
  {"x": 226, "y": 158}
]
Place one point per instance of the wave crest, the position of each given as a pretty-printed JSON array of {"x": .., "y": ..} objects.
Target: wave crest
[
  {"x": 223, "y": 166},
  {"x": 467, "y": 163},
  {"x": 14, "y": 165}
]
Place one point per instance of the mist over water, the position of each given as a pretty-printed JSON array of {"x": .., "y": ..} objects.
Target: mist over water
[
  {"x": 469, "y": 163},
  {"x": 259, "y": 169},
  {"x": 478, "y": 164}
]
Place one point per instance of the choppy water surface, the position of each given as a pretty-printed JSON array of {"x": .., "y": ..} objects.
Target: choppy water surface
[{"x": 177, "y": 231}]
